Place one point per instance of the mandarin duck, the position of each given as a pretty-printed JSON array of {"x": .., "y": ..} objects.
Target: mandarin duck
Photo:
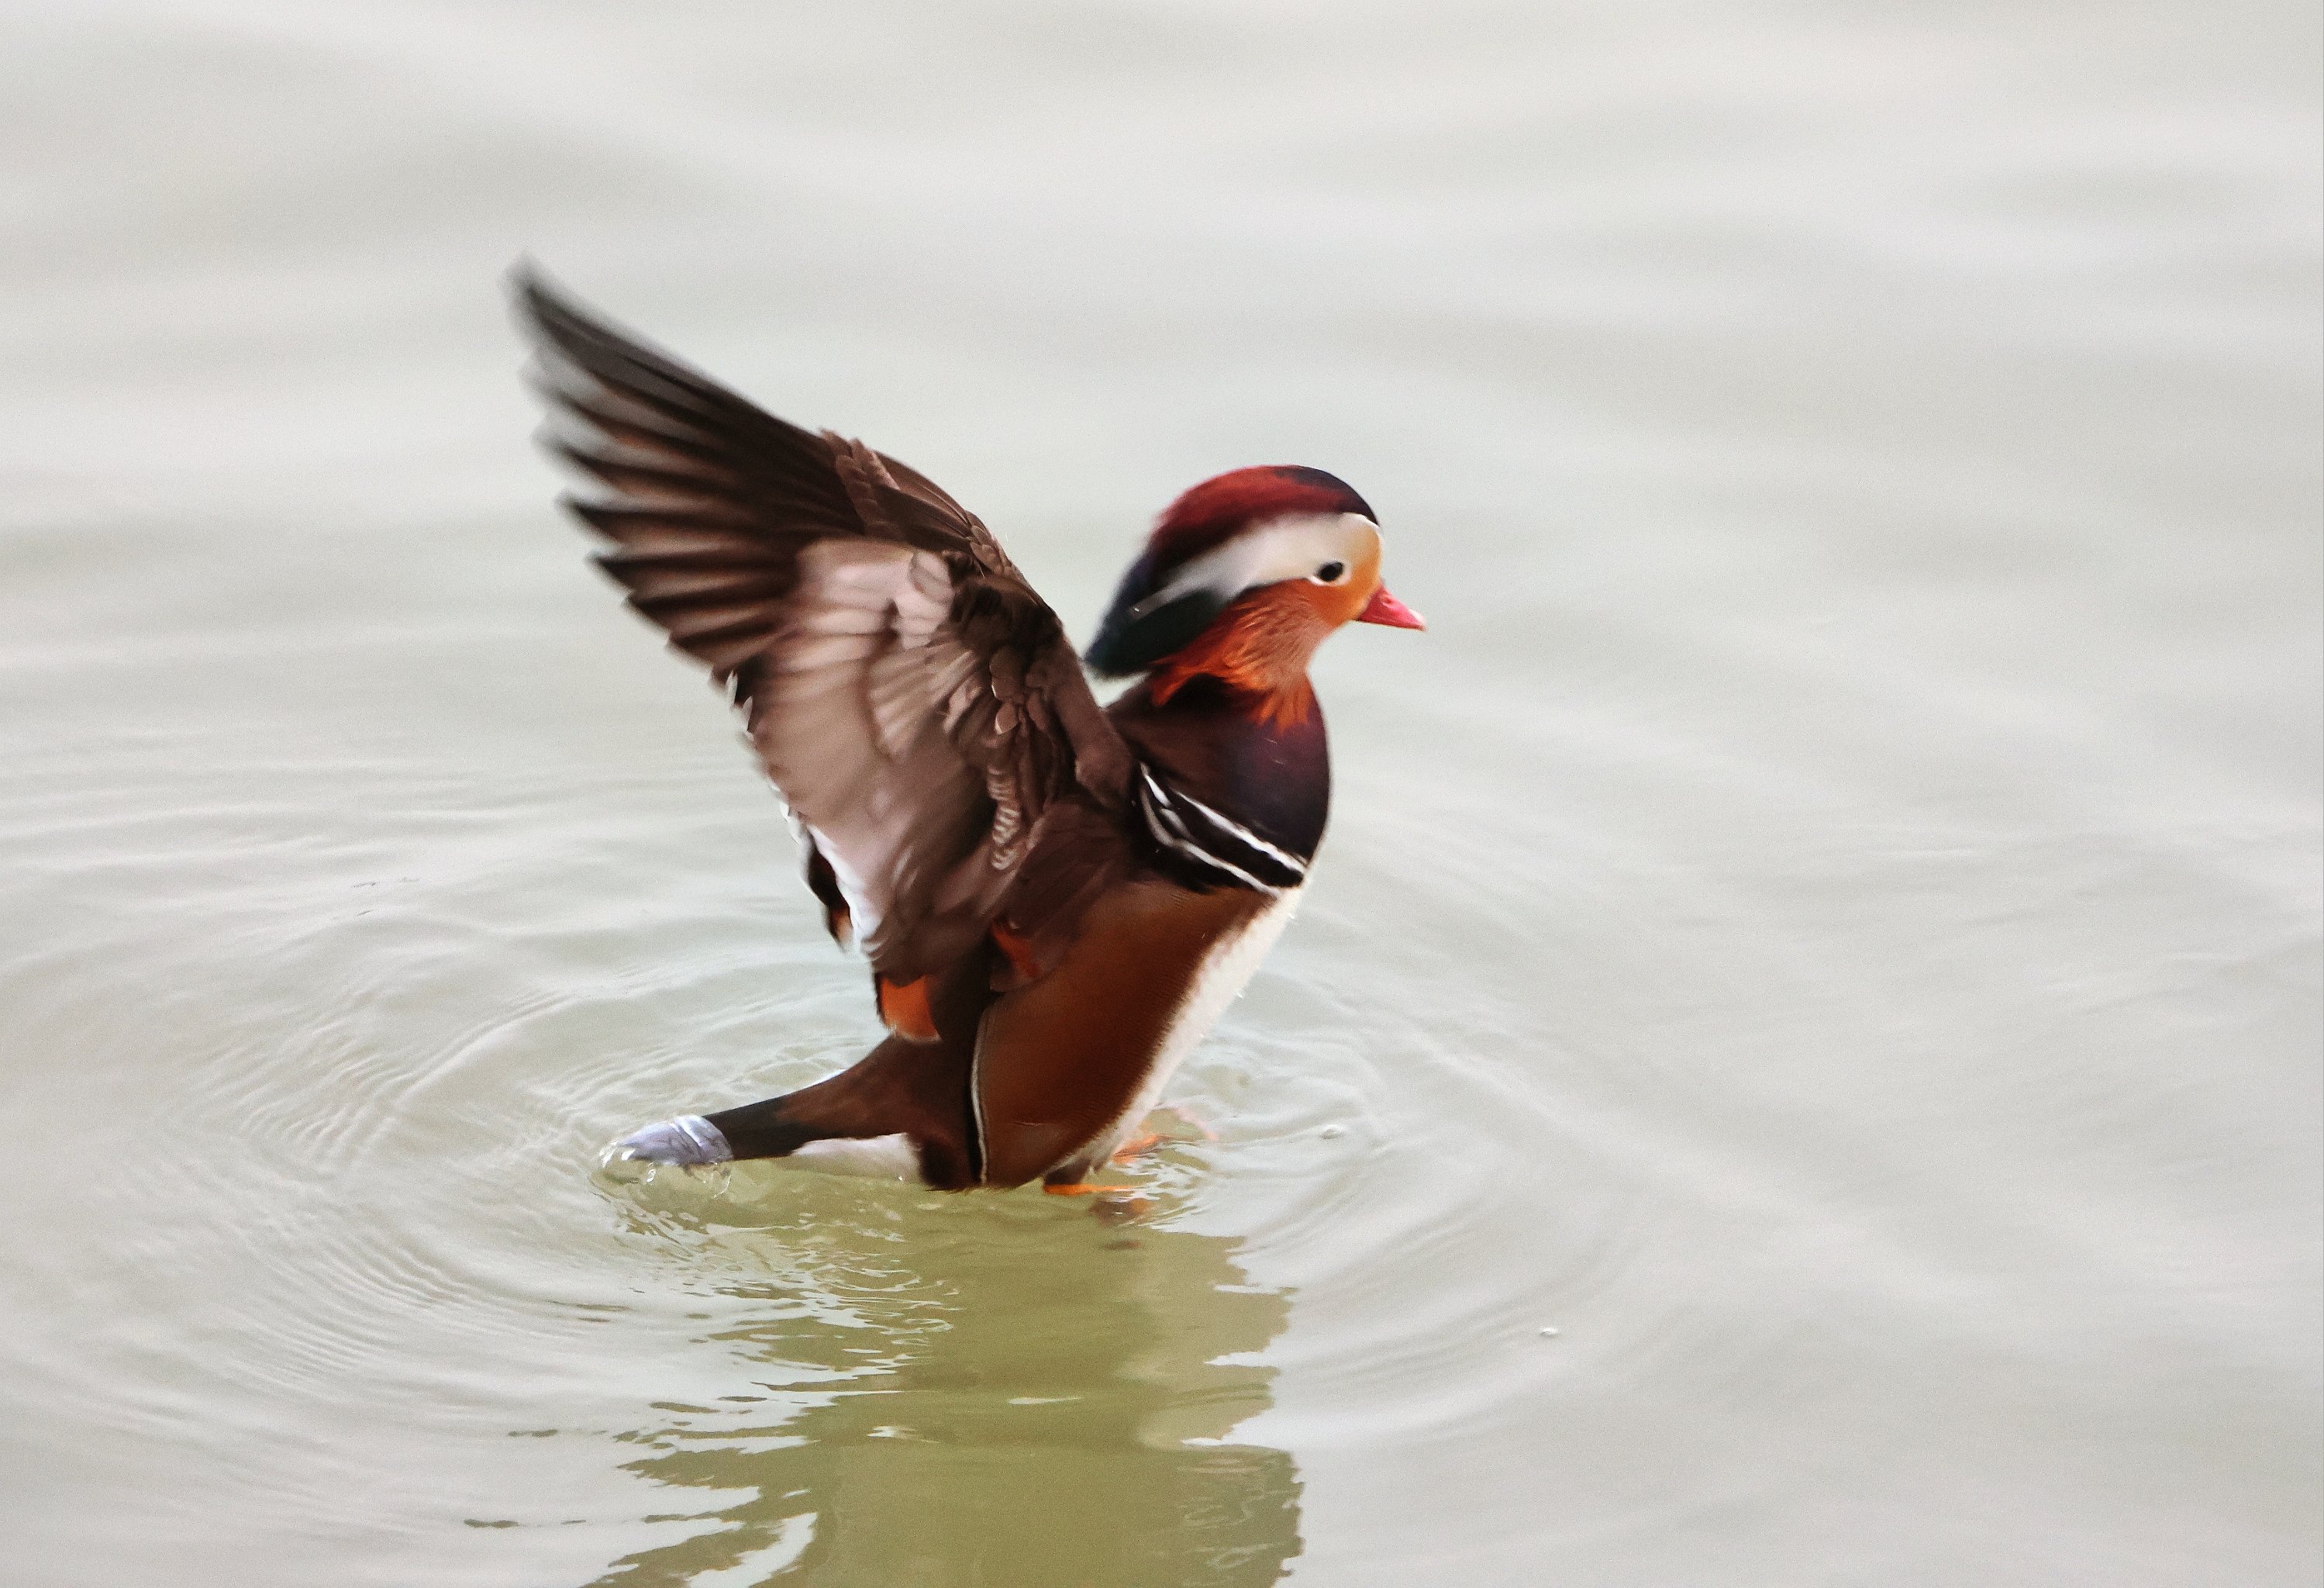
[{"x": 1057, "y": 898}]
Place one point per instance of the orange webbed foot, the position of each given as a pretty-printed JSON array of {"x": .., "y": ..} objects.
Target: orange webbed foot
[
  {"x": 1143, "y": 1141},
  {"x": 1146, "y": 1140}
]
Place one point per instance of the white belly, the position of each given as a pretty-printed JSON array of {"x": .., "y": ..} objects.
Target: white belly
[{"x": 1225, "y": 972}]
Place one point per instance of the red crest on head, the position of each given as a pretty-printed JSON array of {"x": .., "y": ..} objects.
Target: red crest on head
[
  {"x": 1131, "y": 638},
  {"x": 1213, "y": 510}
]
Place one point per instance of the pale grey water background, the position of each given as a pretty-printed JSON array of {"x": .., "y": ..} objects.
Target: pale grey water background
[{"x": 1827, "y": 920}]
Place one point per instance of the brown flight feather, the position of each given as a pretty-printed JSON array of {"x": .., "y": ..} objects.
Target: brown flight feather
[{"x": 911, "y": 695}]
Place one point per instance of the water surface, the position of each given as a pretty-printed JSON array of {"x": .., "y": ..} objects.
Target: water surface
[{"x": 1801, "y": 1061}]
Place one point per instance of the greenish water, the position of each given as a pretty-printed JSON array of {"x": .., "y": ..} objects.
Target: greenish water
[{"x": 1800, "y": 1063}]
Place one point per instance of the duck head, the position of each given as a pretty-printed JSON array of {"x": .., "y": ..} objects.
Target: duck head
[{"x": 1243, "y": 576}]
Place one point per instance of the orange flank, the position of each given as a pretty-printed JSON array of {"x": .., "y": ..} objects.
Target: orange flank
[
  {"x": 1261, "y": 644},
  {"x": 1260, "y": 647},
  {"x": 904, "y": 1005}
]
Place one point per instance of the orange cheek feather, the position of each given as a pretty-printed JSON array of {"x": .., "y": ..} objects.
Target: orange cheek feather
[{"x": 1260, "y": 645}]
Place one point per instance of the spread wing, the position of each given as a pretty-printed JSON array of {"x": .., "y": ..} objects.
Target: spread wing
[{"x": 916, "y": 702}]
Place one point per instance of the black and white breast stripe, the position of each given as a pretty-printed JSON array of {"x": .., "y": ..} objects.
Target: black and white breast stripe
[{"x": 1221, "y": 849}]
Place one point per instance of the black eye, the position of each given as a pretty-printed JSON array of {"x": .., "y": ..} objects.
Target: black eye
[{"x": 1331, "y": 571}]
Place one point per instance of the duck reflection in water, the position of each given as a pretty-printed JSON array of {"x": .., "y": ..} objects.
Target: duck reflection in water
[{"x": 991, "y": 1394}]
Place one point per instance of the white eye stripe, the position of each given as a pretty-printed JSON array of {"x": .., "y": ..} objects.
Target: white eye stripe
[{"x": 1287, "y": 549}]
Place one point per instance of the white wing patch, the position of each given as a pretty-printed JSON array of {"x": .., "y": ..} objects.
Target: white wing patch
[{"x": 854, "y": 725}]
